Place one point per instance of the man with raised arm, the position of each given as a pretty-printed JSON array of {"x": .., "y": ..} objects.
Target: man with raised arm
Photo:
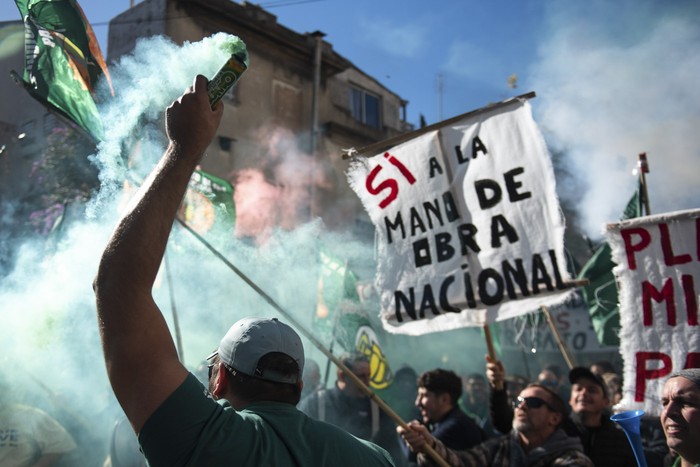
[
  {"x": 536, "y": 439},
  {"x": 256, "y": 370}
]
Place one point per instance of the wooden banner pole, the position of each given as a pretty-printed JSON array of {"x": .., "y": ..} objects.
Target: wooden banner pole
[
  {"x": 560, "y": 342},
  {"x": 492, "y": 353}
]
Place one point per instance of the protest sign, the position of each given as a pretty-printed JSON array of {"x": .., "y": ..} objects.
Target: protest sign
[
  {"x": 469, "y": 229},
  {"x": 658, "y": 269}
]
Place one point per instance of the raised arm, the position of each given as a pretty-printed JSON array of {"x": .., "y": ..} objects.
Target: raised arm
[
  {"x": 500, "y": 410},
  {"x": 141, "y": 359}
]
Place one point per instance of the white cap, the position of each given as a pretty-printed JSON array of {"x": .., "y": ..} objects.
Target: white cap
[{"x": 250, "y": 339}]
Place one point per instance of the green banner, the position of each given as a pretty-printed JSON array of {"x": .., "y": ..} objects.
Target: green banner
[
  {"x": 601, "y": 293},
  {"x": 208, "y": 204},
  {"x": 340, "y": 318},
  {"x": 336, "y": 288},
  {"x": 63, "y": 61}
]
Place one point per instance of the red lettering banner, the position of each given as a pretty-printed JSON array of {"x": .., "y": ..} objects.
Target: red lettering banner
[
  {"x": 658, "y": 270},
  {"x": 469, "y": 229}
]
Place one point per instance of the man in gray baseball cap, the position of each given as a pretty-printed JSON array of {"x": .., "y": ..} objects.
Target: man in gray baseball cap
[
  {"x": 258, "y": 358},
  {"x": 250, "y": 339},
  {"x": 256, "y": 371}
]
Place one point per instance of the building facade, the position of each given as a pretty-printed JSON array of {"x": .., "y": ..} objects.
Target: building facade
[{"x": 297, "y": 87}]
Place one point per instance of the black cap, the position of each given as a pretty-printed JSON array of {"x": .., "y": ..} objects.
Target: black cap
[{"x": 582, "y": 372}]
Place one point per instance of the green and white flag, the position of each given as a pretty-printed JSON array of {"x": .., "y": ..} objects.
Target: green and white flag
[
  {"x": 63, "y": 61},
  {"x": 208, "y": 205},
  {"x": 340, "y": 317},
  {"x": 601, "y": 293}
]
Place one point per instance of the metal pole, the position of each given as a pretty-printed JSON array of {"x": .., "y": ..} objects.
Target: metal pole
[
  {"x": 313, "y": 141},
  {"x": 644, "y": 169},
  {"x": 176, "y": 321}
]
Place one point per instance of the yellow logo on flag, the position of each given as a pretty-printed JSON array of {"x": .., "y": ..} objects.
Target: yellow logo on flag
[{"x": 366, "y": 343}]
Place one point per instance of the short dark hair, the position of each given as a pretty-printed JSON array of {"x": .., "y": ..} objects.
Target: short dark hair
[
  {"x": 476, "y": 376},
  {"x": 405, "y": 373},
  {"x": 554, "y": 368},
  {"x": 250, "y": 388},
  {"x": 351, "y": 359},
  {"x": 442, "y": 381},
  {"x": 605, "y": 365}
]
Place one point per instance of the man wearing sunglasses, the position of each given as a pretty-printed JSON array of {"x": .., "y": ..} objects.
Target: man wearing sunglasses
[
  {"x": 256, "y": 370},
  {"x": 536, "y": 438}
]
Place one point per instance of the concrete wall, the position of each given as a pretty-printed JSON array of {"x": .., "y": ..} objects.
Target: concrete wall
[
  {"x": 276, "y": 95},
  {"x": 20, "y": 114}
]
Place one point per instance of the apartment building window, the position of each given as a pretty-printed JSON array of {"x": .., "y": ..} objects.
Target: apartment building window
[
  {"x": 364, "y": 107},
  {"x": 26, "y": 135},
  {"x": 50, "y": 123},
  {"x": 233, "y": 96}
]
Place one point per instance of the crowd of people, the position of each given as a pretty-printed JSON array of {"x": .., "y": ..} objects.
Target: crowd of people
[
  {"x": 248, "y": 409},
  {"x": 477, "y": 419},
  {"x": 558, "y": 419}
]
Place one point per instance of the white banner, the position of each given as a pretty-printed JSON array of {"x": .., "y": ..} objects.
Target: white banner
[
  {"x": 658, "y": 269},
  {"x": 468, "y": 223}
]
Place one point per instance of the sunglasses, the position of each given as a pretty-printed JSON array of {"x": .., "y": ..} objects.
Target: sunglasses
[
  {"x": 212, "y": 362},
  {"x": 533, "y": 403}
]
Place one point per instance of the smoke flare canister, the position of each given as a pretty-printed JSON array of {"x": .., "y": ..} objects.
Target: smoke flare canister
[
  {"x": 232, "y": 70},
  {"x": 226, "y": 77}
]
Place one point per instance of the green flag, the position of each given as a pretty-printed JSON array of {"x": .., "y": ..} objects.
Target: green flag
[
  {"x": 63, "y": 61},
  {"x": 601, "y": 292},
  {"x": 340, "y": 317},
  {"x": 208, "y": 205},
  {"x": 335, "y": 288}
]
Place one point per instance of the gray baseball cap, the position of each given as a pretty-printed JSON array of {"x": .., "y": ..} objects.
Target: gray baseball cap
[{"x": 250, "y": 339}]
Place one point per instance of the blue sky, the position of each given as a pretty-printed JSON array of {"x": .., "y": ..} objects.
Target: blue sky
[
  {"x": 613, "y": 79},
  {"x": 475, "y": 46}
]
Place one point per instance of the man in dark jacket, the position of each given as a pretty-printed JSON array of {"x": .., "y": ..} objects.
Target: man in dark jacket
[
  {"x": 438, "y": 393},
  {"x": 536, "y": 439},
  {"x": 347, "y": 407},
  {"x": 475, "y": 403},
  {"x": 603, "y": 441}
]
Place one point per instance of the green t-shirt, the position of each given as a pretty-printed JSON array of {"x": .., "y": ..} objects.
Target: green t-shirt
[{"x": 190, "y": 428}]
